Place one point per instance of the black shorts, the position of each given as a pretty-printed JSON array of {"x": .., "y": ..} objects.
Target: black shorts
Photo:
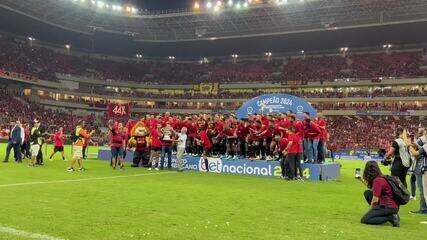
[
  {"x": 231, "y": 141},
  {"x": 207, "y": 151},
  {"x": 58, "y": 149},
  {"x": 156, "y": 149}
]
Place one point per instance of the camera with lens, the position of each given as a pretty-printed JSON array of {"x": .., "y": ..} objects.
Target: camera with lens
[{"x": 386, "y": 162}]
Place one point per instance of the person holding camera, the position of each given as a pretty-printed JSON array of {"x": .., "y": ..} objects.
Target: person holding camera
[
  {"x": 419, "y": 152},
  {"x": 398, "y": 155},
  {"x": 380, "y": 197}
]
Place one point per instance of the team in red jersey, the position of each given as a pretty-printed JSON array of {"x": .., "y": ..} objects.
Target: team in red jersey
[{"x": 259, "y": 137}]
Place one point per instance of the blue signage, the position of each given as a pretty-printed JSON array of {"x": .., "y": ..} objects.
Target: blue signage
[
  {"x": 314, "y": 172},
  {"x": 275, "y": 103}
]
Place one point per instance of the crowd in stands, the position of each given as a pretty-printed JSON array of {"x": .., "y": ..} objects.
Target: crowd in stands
[
  {"x": 345, "y": 132},
  {"x": 367, "y": 132},
  {"x": 394, "y": 106},
  {"x": 250, "y": 93},
  {"x": 13, "y": 108},
  {"x": 42, "y": 62}
]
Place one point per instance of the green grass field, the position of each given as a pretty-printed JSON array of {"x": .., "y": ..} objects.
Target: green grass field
[{"x": 138, "y": 204}]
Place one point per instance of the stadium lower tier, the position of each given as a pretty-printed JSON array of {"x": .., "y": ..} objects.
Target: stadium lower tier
[{"x": 345, "y": 132}]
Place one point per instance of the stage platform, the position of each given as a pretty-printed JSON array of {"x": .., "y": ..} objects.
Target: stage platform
[{"x": 315, "y": 172}]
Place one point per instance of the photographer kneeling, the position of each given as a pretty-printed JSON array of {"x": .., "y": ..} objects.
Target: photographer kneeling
[{"x": 380, "y": 197}]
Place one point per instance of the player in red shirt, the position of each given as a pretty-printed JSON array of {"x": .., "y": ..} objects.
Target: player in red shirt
[
  {"x": 155, "y": 147},
  {"x": 293, "y": 153},
  {"x": 205, "y": 141},
  {"x": 254, "y": 140},
  {"x": 242, "y": 134},
  {"x": 58, "y": 139},
  {"x": 231, "y": 136},
  {"x": 321, "y": 148}
]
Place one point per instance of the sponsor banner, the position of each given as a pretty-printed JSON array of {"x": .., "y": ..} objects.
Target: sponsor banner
[
  {"x": 275, "y": 103},
  {"x": 118, "y": 110},
  {"x": 313, "y": 172}
]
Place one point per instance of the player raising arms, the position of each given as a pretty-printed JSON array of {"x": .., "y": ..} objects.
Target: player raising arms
[
  {"x": 58, "y": 139},
  {"x": 78, "y": 141}
]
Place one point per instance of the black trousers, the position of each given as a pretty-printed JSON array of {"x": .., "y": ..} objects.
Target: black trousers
[
  {"x": 243, "y": 147},
  {"x": 39, "y": 157},
  {"x": 400, "y": 171},
  {"x": 84, "y": 152},
  {"x": 289, "y": 165},
  {"x": 413, "y": 185},
  {"x": 379, "y": 214},
  {"x": 140, "y": 157}
]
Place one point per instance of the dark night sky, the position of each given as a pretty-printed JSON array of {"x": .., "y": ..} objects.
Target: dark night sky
[{"x": 161, "y": 4}]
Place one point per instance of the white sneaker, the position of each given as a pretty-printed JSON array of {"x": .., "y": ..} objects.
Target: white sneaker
[
  {"x": 70, "y": 169},
  {"x": 149, "y": 169},
  {"x": 413, "y": 198},
  {"x": 157, "y": 169}
]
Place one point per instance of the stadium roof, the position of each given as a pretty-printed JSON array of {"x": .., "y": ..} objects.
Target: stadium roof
[{"x": 309, "y": 25}]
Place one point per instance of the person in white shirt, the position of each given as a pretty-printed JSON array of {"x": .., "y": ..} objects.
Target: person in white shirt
[{"x": 181, "y": 141}]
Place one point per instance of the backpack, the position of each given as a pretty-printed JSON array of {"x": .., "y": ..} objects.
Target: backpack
[{"x": 400, "y": 194}]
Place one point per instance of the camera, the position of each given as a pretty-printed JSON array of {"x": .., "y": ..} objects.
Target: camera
[
  {"x": 357, "y": 173},
  {"x": 386, "y": 162}
]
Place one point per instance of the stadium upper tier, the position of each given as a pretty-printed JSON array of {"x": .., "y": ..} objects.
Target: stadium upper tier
[
  {"x": 264, "y": 18},
  {"x": 45, "y": 63}
]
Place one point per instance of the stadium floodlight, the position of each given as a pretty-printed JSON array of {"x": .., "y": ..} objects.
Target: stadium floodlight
[
  {"x": 281, "y": 2},
  {"x": 268, "y": 54},
  {"x": 134, "y": 10},
  {"x": 245, "y": 4},
  {"x": 238, "y": 5},
  {"x": 82, "y": 1},
  {"x": 196, "y": 5},
  {"x": 217, "y": 8},
  {"x": 302, "y": 51},
  {"x": 31, "y": 39},
  {"x": 67, "y": 46},
  {"x": 218, "y": 3},
  {"x": 344, "y": 49},
  {"x": 100, "y": 4},
  {"x": 93, "y": 2},
  {"x": 234, "y": 55},
  {"x": 128, "y": 9},
  {"x": 118, "y": 8},
  {"x": 171, "y": 57},
  {"x": 230, "y": 3},
  {"x": 387, "y": 46},
  {"x": 208, "y": 5}
]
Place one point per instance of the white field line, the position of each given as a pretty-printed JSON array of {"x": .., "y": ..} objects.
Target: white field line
[
  {"x": 24, "y": 234},
  {"x": 81, "y": 179}
]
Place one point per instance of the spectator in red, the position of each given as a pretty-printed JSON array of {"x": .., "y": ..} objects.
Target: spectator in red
[{"x": 58, "y": 140}]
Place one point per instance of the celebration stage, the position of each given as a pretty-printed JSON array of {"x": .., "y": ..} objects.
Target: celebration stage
[{"x": 314, "y": 172}]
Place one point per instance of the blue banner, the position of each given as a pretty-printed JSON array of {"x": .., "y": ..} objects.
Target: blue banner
[
  {"x": 275, "y": 103},
  {"x": 313, "y": 172}
]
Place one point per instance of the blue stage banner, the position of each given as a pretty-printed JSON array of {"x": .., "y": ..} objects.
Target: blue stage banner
[
  {"x": 275, "y": 103},
  {"x": 313, "y": 172}
]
